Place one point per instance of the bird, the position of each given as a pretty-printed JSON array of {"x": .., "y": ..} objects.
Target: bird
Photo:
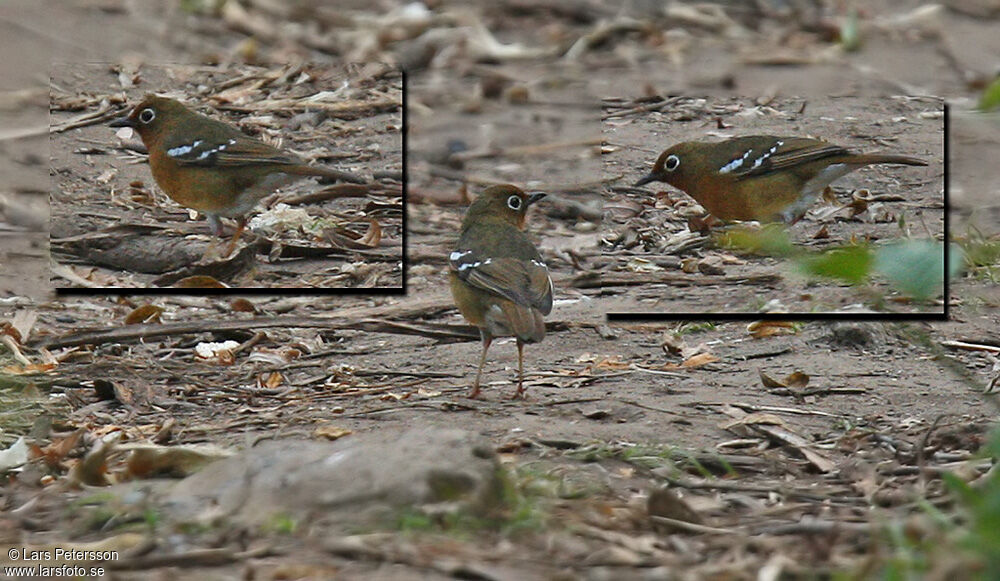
[
  {"x": 760, "y": 177},
  {"x": 498, "y": 279},
  {"x": 211, "y": 166}
]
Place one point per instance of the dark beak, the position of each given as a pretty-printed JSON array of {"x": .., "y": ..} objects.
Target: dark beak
[
  {"x": 646, "y": 179},
  {"x": 121, "y": 122},
  {"x": 535, "y": 196}
]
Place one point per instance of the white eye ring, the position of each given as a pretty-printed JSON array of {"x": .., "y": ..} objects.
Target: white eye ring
[
  {"x": 514, "y": 202},
  {"x": 672, "y": 162},
  {"x": 147, "y": 115}
]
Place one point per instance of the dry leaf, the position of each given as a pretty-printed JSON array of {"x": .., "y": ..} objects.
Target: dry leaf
[
  {"x": 29, "y": 369},
  {"x": 199, "y": 281},
  {"x": 23, "y": 321},
  {"x": 667, "y": 503},
  {"x": 672, "y": 343},
  {"x": 221, "y": 353},
  {"x": 93, "y": 469},
  {"x": 272, "y": 380},
  {"x": 699, "y": 360},
  {"x": 6, "y": 328},
  {"x": 106, "y": 176},
  {"x": 821, "y": 234},
  {"x": 614, "y": 362},
  {"x": 145, "y": 314},
  {"x": 16, "y": 455},
  {"x": 373, "y": 235},
  {"x": 331, "y": 432},
  {"x": 242, "y": 305},
  {"x": 859, "y": 202},
  {"x": 795, "y": 379},
  {"x": 762, "y": 329},
  {"x": 769, "y": 381},
  {"x": 148, "y": 460},
  {"x": 57, "y": 451}
]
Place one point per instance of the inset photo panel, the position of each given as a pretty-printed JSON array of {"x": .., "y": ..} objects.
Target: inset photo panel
[
  {"x": 181, "y": 176},
  {"x": 785, "y": 207}
]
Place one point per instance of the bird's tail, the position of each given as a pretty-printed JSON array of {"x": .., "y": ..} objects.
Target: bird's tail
[
  {"x": 523, "y": 322},
  {"x": 313, "y": 170},
  {"x": 872, "y": 158}
]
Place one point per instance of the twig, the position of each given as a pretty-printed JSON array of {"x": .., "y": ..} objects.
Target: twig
[
  {"x": 196, "y": 558},
  {"x": 660, "y": 372},
  {"x": 385, "y": 103},
  {"x": 573, "y": 401},
  {"x": 692, "y": 527},
  {"x": 734, "y": 486},
  {"x": 11, "y": 344},
  {"x": 970, "y": 346},
  {"x": 656, "y": 105},
  {"x": 148, "y": 331},
  {"x": 587, "y": 280},
  {"x": 813, "y": 527},
  {"x": 104, "y": 113},
  {"x": 921, "y": 460},
  {"x": 766, "y": 408}
]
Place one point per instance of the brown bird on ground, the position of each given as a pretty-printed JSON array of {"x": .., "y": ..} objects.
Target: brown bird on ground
[
  {"x": 498, "y": 279},
  {"x": 211, "y": 166},
  {"x": 760, "y": 177}
]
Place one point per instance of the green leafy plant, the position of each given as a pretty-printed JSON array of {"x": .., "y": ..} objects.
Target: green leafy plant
[
  {"x": 916, "y": 267},
  {"x": 981, "y": 502},
  {"x": 991, "y": 96},
  {"x": 851, "y": 264}
]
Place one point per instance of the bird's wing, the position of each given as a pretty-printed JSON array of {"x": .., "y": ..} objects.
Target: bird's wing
[
  {"x": 788, "y": 153},
  {"x": 525, "y": 282},
  {"x": 226, "y": 148}
]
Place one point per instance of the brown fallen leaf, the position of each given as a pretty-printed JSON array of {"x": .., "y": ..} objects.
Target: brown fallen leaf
[
  {"x": 331, "y": 432},
  {"x": 699, "y": 360},
  {"x": 271, "y": 380},
  {"x": 373, "y": 235},
  {"x": 795, "y": 379},
  {"x": 145, "y": 314},
  {"x": 666, "y": 502},
  {"x": 57, "y": 451},
  {"x": 763, "y": 329},
  {"x": 199, "y": 281},
  {"x": 242, "y": 305}
]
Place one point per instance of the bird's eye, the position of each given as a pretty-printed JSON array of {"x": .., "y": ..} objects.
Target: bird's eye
[
  {"x": 672, "y": 162},
  {"x": 514, "y": 202},
  {"x": 147, "y": 115}
]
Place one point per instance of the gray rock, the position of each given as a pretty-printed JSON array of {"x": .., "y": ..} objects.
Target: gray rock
[{"x": 354, "y": 482}]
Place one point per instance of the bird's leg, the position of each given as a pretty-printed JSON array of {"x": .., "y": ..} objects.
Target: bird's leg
[
  {"x": 241, "y": 224},
  {"x": 214, "y": 224},
  {"x": 487, "y": 339},
  {"x": 520, "y": 393},
  {"x": 211, "y": 250}
]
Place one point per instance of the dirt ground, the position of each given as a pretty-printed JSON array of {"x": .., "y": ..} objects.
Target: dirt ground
[
  {"x": 113, "y": 227},
  {"x": 783, "y": 473},
  {"x": 24, "y": 165}
]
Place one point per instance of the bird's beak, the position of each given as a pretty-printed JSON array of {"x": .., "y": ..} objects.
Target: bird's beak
[
  {"x": 535, "y": 196},
  {"x": 646, "y": 179},
  {"x": 121, "y": 122}
]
